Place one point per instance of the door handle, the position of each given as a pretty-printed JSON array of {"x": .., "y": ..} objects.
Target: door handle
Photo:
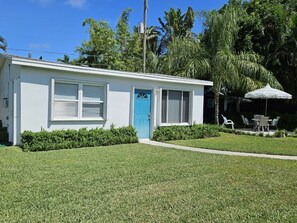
[{"x": 149, "y": 115}]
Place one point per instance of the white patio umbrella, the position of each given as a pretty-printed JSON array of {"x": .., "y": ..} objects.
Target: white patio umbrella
[{"x": 268, "y": 93}]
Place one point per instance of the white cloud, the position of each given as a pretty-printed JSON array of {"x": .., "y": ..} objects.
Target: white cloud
[
  {"x": 39, "y": 46},
  {"x": 77, "y": 3}
]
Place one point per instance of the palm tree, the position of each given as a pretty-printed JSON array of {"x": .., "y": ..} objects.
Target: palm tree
[
  {"x": 3, "y": 43},
  {"x": 215, "y": 58},
  {"x": 66, "y": 59},
  {"x": 176, "y": 25}
]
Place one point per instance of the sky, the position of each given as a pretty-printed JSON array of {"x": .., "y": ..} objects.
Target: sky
[{"x": 55, "y": 26}]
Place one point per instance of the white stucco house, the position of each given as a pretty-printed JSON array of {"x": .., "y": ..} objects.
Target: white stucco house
[{"x": 38, "y": 95}]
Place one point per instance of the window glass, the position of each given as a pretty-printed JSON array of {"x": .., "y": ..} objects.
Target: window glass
[
  {"x": 68, "y": 103},
  {"x": 92, "y": 110},
  {"x": 66, "y": 91},
  {"x": 164, "y": 106},
  {"x": 93, "y": 93},
  {"x": 186, "y": 105},
  {"x": 64, "y": 109},
  {"x": 174, "y": 107}
]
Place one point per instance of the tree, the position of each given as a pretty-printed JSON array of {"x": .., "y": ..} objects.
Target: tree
[
  {"x": 65, "y": 59},
  {"x": 122, "y": 34},
  {"x": 117, "y": 49},
  {"x": 99, "y": 50},
  {"x": 129, "y": 51},
  {"x": 176, "y": 25},
  {"x": 215, "y": 59},
  {"x": 269, "y": 29},
  {"x": 3, "y": 43}
]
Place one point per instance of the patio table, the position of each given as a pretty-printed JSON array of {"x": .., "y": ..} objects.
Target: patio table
[{"x": 257, "y": 121}]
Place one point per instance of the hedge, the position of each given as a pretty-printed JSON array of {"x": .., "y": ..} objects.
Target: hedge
[
  {"x": 68, "y": 139},
  {"x": 185, "y": 132}
]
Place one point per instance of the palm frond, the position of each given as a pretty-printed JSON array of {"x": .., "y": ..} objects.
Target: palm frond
[{"x": 3, "y": 43}]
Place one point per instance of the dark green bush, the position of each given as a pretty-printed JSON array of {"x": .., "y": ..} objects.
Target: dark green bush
[
  {"x": 68, "y": 139},
  {"x": 185, "y": 132},
  {"x": 287, "y": 121},
  {"x": 281, "y": 133}
]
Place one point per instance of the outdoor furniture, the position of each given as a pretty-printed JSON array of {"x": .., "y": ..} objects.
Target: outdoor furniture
[
  {"x": 268, "y": 93},
  {"x": 246, "y": 122},
  {"x": 264, "y": 124},
  {"x": 274, "y": 122},
  {"x": 256, "y": 120},
  {"x": 227, "y": 122}
]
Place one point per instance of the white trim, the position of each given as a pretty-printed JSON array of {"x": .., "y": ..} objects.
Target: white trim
[
  {"x": 106, "y": 92},
  {"x": 78, "y": 119},
  {"x": 52, "y": 98},
  {"x": 132, "y": 106},
  {"x": 88, "y": 70},
  {"x": 79, "y": 100},
  {"x": 190, "y": 111},
  {"x": 179, "y": 124},
  {"x": 16, "y": 112}
]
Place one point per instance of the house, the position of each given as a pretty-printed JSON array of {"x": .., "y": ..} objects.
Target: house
[{"x": 38, "y": 95}]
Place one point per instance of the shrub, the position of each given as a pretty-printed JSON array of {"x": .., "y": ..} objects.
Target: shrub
[
  {"x": 261, "y": 134},
  {"x": 281, "y": 133},
  {"x": 185, "y": 132},
  {"x": 68, "y": 139}
]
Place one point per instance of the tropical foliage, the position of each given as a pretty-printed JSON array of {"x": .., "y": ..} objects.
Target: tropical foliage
[
  {"x": 175, "y": 25},
  {"x": 215, "y": 58},
  {"x": 244, "y": 45},
  {"x": 117, "y": 49},
  {"x": 3, "y": 43},
  {"x": 269, "y": 28}
]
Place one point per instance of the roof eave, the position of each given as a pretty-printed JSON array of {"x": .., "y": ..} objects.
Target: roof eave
[{"x": 89, "y": 70}]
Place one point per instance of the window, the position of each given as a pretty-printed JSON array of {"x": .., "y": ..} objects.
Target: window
[
  {"x": 78, "y": 101},
  {"x": 93, "y": 97},
  {"x": 175, "y": 106}
]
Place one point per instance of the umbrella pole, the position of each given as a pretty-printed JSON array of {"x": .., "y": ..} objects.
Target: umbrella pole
[{"x": 266, "y": 107}]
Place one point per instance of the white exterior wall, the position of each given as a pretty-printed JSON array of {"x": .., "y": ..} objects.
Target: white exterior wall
[
  {"x": 4, "y": 93},
  {"x": 35, "y": 101},
  {"x": 8, "y": 75}
]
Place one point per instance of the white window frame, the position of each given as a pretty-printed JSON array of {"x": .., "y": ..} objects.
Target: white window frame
[
  {"x": 181, "y": 113},
  {"x": 79, "y": 100}
]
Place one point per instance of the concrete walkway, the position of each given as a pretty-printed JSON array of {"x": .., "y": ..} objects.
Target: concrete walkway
[{"x": 228, "y": 153}]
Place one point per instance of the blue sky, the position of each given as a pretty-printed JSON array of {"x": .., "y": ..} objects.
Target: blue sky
[{"x": 56, "y": 25}]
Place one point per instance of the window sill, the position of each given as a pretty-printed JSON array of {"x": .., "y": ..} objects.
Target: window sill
[
  {"x": 78, "y": 119},
  {"x": 177, "y": 124}
]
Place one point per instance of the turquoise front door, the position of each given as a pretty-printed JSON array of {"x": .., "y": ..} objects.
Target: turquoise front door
[{"x": 142, "y": 112}]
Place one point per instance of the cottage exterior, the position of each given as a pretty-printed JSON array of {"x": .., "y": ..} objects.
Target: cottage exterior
[{"x": 40, "y": 95}]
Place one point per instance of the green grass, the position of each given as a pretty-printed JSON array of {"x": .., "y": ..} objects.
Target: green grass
[
  {"x": 245, "y": 143},
  {"x": 140, "y": 183}
]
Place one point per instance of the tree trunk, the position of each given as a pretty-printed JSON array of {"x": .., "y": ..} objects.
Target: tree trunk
[{"x": 217, "y": 106}]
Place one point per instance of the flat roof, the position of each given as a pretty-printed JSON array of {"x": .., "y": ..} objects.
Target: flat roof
[{"x": 22, "y": 61}]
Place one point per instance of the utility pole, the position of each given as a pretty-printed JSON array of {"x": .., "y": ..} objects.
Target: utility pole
[{"x": 144, "y": 35}]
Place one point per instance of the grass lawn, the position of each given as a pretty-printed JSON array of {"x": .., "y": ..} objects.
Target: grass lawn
[
  {"x": 245, "y": 143},
  {"x": 140, "y": 183}
]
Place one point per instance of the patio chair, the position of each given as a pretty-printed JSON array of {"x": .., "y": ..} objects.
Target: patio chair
[
  {"x": 264, "y": 124},
  {"x": 227, "y": 122},
  {"x": 275, "y": 122},
  {"x": 256, "y": 120},
  {"x": 246, "y": 122}
]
